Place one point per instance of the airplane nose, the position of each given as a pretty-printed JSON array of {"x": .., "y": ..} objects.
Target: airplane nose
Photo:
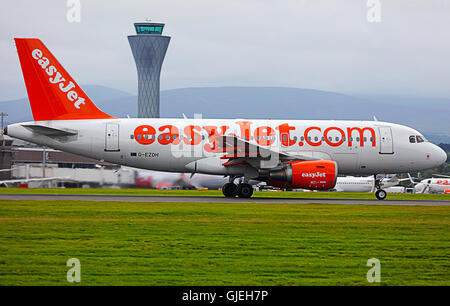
[{"x": 440, "y": 156}]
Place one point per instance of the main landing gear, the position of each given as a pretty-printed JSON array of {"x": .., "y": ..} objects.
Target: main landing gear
[
  {"x": 242, "y": 190},
  {"x": 379, "y": 193}
]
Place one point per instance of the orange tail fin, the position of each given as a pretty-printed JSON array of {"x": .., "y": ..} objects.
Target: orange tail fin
[{"x": 52, "y": 92}]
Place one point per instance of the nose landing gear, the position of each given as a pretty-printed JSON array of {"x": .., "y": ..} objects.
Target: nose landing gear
[{"x": 379, "y": 193}]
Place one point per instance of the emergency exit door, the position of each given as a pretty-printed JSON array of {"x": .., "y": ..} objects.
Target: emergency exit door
[
  {"x": 112, "y": 137},
  {"x": 386, "y": 141}
]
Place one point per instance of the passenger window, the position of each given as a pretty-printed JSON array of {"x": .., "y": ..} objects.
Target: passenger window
[
  {"x": 412, "y": 139},
  {"x": 419, "y": 139}
]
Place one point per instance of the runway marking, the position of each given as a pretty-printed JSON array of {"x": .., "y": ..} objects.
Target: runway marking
[{"x": 213, "y": 199}]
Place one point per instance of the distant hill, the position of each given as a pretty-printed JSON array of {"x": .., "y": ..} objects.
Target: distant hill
[
  {"x": 112, "y": 101},
  {"x": 427, "y": 115}
]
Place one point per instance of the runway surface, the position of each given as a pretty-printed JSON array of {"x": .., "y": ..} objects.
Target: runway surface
[{"x": 212, "y": 199}]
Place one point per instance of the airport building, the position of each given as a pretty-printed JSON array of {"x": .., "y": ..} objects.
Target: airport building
[
  {"x": 23, "y": 161},
  {"x": 149, "y": 48}
]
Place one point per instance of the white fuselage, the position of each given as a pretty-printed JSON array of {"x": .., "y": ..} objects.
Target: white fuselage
[{"x": 359, "y": 147}]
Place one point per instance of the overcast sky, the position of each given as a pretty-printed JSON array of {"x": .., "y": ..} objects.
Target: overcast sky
[{"x": 318, "y": 44}]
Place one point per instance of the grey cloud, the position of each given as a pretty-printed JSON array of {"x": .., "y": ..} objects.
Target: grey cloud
[{"x": 318, "y": 44}]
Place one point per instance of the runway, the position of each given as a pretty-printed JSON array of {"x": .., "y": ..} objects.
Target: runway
[{"x": 213, "y": 199}]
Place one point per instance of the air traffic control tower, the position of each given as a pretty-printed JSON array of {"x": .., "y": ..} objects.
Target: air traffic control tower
[{"x": 149, "y": 48}]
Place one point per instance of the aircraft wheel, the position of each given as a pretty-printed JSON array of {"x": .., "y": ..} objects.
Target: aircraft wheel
[
  {"x": 229, "y": 190},
  {"x": 245, "y": 190},
  {"x": 381, "y": 194}
]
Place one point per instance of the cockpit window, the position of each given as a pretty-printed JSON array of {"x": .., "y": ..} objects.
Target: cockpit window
[
  {"x": 412, "y": 139},
  {"x": 419, "y": 138}
]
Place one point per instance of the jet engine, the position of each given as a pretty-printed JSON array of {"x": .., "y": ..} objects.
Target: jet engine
[{"x": 314, "y": 175}]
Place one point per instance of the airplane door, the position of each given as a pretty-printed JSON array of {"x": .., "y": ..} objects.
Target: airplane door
[
  {"x": 386, "y": 141},
  {"x": 112, "y": 137}
]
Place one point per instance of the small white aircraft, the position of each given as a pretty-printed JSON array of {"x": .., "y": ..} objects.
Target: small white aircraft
[
  {"x": 43, "y": 179},
  {"x": 295, "y": 154},
  {"x": 434, "y": 185},
  {"x": 365, "y": 184}
]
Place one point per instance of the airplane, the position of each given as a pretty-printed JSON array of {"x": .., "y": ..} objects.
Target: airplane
[
  {"x": 365, "y": 184},
  {"x": 157, "y": 179},
  {"x": 6, "y": 183},
  {"x": 434, "y": 185},
  {"x": 306, "y": 154},
  {"x": 162, "y": 180}
]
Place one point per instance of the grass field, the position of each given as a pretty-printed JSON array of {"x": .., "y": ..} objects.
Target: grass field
[
  {"x": 280, "y": 194},
  {"x": 121, "y": 243}
]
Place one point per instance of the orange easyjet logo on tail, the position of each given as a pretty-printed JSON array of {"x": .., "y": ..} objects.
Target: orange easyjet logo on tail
[{"x": 56, "y": 78}]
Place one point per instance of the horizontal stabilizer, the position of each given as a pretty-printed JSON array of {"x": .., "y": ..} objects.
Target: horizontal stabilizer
[{"x": 49, "y": 131}]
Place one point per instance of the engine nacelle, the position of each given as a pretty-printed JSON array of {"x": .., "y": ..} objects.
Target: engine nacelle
[{"x": 314, "y": 175}]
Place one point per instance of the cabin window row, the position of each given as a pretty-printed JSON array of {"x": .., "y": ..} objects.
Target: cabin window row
[{"x": 284, "y": 138}]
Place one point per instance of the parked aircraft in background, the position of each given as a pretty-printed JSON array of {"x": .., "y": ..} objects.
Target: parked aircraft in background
[
  {"x": 169, "y": 180},
  {"x": 307, "y": 154},
  {"x": 365, "y": 184},
  {"x": 6, "y": 183},
  {"x": 434, "y": 185}
]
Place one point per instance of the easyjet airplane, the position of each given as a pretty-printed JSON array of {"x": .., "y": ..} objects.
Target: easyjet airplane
[
  {"x": 306, "y": 154},
  {"x": 434, "y": 185}
]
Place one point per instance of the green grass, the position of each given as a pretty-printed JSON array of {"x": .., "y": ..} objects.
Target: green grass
[
  {"x": 222, "y": 244},
  {"x": 280, "y": 194}
]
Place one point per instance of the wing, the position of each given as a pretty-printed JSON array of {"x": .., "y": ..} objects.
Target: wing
[{"x": 239, "y": 151}]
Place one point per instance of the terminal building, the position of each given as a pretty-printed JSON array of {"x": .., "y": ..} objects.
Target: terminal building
[{"x": 149, "y": 48}]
